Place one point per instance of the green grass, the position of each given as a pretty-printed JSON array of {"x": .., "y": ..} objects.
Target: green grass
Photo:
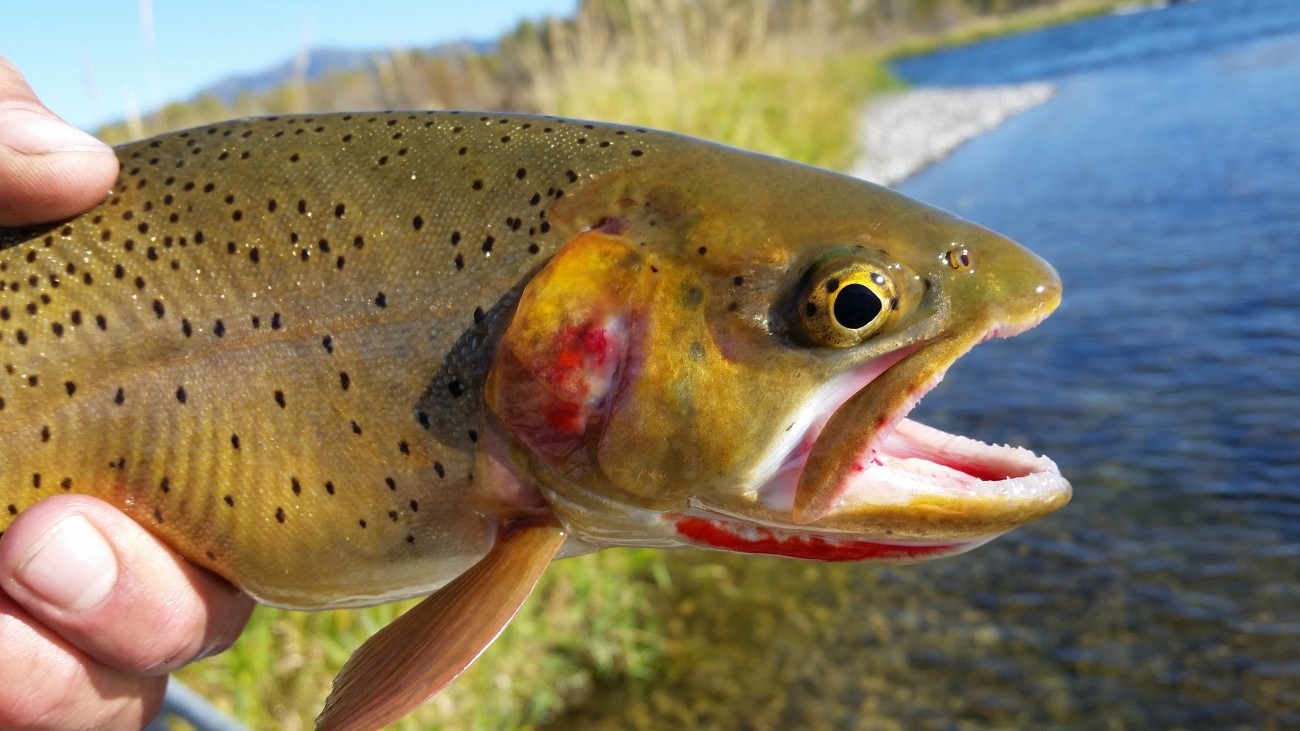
[
  {"x": 985, "y": 28},
  {"x": 587, "y": 626}
]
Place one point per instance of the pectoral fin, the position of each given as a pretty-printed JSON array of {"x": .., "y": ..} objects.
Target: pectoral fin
[{"x": 406, "y": 662}]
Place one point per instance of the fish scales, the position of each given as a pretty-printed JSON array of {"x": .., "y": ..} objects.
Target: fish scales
[{"x": 274, "y": 368}]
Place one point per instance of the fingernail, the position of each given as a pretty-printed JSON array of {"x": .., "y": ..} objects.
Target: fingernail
[
  {"x": 31, "y": 133},
  {"x": 72, "y": 567}
]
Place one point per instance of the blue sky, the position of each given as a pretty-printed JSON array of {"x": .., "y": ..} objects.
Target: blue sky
[{"x": 92, "y": 62}]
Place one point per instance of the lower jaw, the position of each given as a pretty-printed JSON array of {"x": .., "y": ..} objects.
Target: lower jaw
[{"x": 739, "y": 537}]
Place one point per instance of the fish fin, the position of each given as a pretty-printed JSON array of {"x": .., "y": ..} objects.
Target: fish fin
[{"x": 408, "y": 661}]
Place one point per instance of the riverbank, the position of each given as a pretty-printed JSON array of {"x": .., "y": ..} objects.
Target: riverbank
[{"x": 902, "y": 132}]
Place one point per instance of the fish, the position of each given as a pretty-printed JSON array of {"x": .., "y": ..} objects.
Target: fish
[{"x": 345, "y": 359}]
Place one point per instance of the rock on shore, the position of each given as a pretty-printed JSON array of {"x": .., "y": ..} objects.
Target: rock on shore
[{"x": 905, "y": 131}]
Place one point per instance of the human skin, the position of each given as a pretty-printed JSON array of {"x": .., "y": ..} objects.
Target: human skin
[{"x": 94, "y": 611}]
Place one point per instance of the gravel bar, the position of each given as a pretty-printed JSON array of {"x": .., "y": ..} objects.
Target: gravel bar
[{"x": 905, "y": 131}]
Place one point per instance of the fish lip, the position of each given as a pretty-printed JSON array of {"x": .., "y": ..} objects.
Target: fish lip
[{"x": 912, "y": 482}]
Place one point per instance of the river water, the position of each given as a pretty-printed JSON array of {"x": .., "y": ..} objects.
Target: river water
[{"x": 1163, "y": 181}]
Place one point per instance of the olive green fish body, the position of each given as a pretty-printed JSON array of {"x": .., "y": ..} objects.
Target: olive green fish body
[
  {"x": 268, "y": 343},
  {"x": 332, "y": 357}
]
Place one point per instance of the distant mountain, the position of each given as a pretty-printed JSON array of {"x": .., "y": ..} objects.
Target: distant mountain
[{"x": 319, "y": 62}]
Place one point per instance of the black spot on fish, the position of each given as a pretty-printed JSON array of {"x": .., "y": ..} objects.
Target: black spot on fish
[
  {"x": 180, "y": 394},
  {"x": 345, "y": 381},
  {"x": 295, "y": 485},
  {"x": 229, "y": 500},
  {"x": 329, "y": 488},
  {"x": 279, "y": 398},
  {"x": 234, "y": 441},
  {"x": 437, "y": 467},
  {"x": 279, "y": 515}
]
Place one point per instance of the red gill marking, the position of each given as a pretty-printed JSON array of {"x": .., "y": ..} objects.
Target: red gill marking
[
  {"x": 579, "y": 361},
  {"x": 762, "y": 540}
]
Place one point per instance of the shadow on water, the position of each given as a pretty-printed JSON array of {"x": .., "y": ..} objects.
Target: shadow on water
[{"x": 1163, "y": 186}]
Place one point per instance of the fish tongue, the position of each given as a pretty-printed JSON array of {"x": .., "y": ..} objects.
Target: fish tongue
[{"x": 408, "y": 661}]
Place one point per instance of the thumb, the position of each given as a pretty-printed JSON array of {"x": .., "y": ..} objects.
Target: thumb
[{"x": 49, "y": 170}]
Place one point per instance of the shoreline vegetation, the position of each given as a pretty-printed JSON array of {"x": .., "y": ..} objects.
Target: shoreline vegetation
[{"x": 639, "y": 639}]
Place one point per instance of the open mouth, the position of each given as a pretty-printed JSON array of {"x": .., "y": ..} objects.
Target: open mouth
[{"x": 901, "y": 491}]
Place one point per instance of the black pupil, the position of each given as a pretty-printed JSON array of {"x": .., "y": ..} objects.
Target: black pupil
[{"x": 856, "y": 306}]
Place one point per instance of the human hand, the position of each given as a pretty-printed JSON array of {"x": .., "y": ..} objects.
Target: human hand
[{"x": 94, "y": 610}]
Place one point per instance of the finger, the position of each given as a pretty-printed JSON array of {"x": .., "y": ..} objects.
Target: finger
[
  {"x": 53, "y": 685},
  {"x": 49, "y": 170},
  {"x": 112, "y": 589}
]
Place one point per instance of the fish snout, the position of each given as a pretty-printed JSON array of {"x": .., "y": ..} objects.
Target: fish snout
[{"x": 1020, "y": 288}]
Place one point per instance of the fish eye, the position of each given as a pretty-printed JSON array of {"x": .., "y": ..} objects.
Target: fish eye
[{"x": 845, "y": 300}]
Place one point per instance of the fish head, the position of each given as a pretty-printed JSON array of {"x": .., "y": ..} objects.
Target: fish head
[{"x": 724, "y": 352}]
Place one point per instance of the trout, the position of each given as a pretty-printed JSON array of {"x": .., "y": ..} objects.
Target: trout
[{"x": 351, "y": 358}]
